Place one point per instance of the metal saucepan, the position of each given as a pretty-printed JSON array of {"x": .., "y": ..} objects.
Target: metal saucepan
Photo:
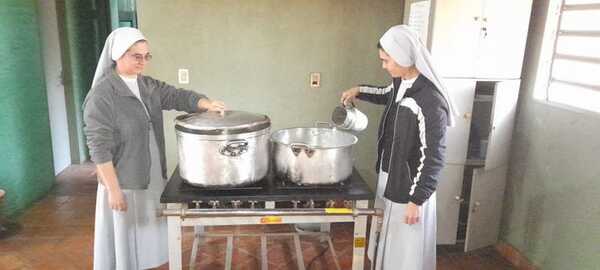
[{"x": 313, "y": 155}]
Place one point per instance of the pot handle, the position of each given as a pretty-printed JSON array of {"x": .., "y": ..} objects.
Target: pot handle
[
  {"x": 234, "y": 148},
  {"x": 322, "y": 123},
  {"x": 297, "y": 148}
]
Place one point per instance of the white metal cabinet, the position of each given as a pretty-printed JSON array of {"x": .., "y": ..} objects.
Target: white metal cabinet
[
  {"x": 502, "y": 123},
  {"x": 475, "y": 43},
  {"x": 462, "y": 92},
  {"x": 455, "y": 37},
  {"x": 480, "y": 38},
  {"x": 448, "y": 203},
  {"x": 485, "y": 207},
  {"x": 505, "y": 24},
  {"x": 486, "y": 180}
]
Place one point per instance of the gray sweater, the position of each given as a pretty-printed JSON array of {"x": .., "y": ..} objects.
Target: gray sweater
[{"x": 116, "y": 124}]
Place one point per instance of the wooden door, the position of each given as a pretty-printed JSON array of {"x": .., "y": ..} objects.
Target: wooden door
[
  {"x": 506, "y": 94},
  {"x": 455, "y": 37},
  {"x": 503, "y": 35},
  {"x": 485, "y": 207}
]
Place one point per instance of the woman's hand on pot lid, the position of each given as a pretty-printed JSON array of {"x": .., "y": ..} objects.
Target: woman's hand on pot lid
[
  {"x": 211, "y": 105},
  {"x": 349, "y": 96}
]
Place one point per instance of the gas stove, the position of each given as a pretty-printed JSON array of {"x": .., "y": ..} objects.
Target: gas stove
[
  {"x": 270, "y": 188},
  {"x": 266, "y": 202}
]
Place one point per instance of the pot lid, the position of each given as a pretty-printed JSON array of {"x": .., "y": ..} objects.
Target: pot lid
[{"x": 213, "y": 123}]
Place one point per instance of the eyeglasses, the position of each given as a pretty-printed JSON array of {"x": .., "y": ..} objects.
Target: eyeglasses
[{"x": 139, "y": 57}]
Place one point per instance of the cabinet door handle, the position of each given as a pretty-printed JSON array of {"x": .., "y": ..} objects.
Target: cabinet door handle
[
  {"x": 459, "y": 199},
  {"x": 476, "y": 18}
]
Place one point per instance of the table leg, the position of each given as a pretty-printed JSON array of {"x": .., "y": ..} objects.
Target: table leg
[
  {"x": 198, "y": 230},
  {"x": 299, "y": 256},
  {"x": 229, "y": 253},
  {"x": 360, "y": 232},
  {"x": 333, "y": 254},
  {"x": 174, "y": 231},
  {"x": 263, "y": 253},
  {"x": 325, "y": 228}
]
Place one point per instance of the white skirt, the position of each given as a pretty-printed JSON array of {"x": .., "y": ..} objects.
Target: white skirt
[
  {"x": 136, "y": 238},
  {"x": 402, "y": 246}
]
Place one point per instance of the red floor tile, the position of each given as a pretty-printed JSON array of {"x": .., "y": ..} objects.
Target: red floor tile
[{"x": 57, "y": 233}]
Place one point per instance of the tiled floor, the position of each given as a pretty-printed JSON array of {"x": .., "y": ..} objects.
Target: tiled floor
[{"x": 57, "y": 233}]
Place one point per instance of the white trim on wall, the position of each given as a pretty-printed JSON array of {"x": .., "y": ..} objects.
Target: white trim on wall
[{"x": 57, "y": 108}]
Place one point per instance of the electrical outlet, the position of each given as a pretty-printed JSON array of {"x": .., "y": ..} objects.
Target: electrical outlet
[
  {"x": 184, "y": 76},
  {"x": 315, "y": 79}
]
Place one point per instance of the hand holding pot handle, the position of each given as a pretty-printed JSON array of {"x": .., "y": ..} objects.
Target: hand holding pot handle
[{"x": 349, "y": 96}]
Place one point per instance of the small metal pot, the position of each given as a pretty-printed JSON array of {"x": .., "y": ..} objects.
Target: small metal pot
[
  {"x": 223, "y": 150},
  {"x": 349, "y": 118},
  {"x": 313, "y": 155}
]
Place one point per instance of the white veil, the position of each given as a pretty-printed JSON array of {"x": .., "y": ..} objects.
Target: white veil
[
  {"x": 406, "y": 48},
  {"x": 117, "y": 43}
]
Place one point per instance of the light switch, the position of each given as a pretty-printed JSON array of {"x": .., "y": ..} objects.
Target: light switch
[
  {"x": 184, "y": 76},
  {"x": 315, "y": 80}
]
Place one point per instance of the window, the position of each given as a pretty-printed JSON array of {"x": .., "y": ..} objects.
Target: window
[{"x": 569, "y": 71}]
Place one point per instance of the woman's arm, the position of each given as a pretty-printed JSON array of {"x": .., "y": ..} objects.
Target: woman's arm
[
  {"x": 172, "y": 98},
  {"x": 108, "y": 177},
  {"x": 432, "y": 128},
  {"x": 99, "y": 131},
  {"x": 373, "y": 94}
]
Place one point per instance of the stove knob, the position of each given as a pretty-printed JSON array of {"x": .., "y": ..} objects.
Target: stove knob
[
  {"x": 348, "y": 204},
  {"x": 236, "y": 203},
  {"x": 330, "y": 204},
  {"x": 252, "y": 203},
  {"x": 197, "y": 203},
  {"x": 295, "y": 203},
  {"x": 214, "y": 204},
  {"x": 310, "y": 204}
]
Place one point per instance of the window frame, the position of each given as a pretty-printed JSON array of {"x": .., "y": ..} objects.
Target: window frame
[{"x": 548, "y": 54}]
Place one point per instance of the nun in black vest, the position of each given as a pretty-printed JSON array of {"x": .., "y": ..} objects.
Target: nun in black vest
[{"x": 411, "y": 147}]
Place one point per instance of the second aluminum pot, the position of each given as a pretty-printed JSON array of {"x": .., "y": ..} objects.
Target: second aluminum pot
[
  {"x": 313, "y": 155},
  {"x": 223, "y": 150}
]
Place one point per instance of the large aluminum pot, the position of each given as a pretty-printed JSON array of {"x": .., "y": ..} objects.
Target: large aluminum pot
[
  {"x": 313, "y": 155},
  {"x": 223, "y": 150}
]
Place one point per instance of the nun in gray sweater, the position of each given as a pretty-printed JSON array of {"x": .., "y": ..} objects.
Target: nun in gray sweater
[{"x": 124, "y": 130}]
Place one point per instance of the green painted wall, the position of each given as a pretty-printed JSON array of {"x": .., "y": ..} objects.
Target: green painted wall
[
  {"x": 26, "y": 171},
  {"x": 257, "y": 55},
  {"x": 552, "y": 212}
]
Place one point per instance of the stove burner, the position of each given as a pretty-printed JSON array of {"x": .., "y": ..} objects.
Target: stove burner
[
  {"x": 288, "y": 185},
  {"x": 259, "y": 185}
]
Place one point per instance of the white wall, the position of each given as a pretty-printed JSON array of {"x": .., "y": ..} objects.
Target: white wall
[{"x": 56, "y": 91}]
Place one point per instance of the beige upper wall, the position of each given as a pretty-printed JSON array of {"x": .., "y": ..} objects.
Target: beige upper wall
[{"x": 257, "y": 55}]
